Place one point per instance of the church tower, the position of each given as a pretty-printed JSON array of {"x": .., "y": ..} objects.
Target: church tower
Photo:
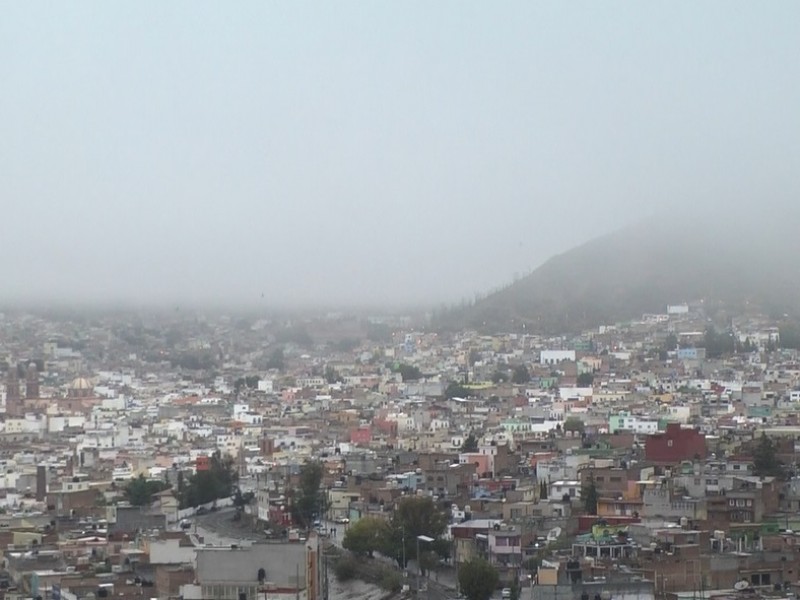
[
  {"x": 32, "y": 382},
  {"x": 12, "y": 392}
]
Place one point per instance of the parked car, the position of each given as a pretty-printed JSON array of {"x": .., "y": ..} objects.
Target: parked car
[
  {"x": 342, "y": 520},
  {"x": 506, "y": 593}
]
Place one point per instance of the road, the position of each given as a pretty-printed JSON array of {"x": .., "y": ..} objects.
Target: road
[{"x": 219, "y": 528}]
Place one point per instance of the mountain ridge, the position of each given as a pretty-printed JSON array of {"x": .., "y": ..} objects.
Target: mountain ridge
[{"x": 727, "y": 263}]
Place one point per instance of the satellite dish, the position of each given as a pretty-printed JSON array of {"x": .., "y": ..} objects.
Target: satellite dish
[{"x": 740, "y": 586}]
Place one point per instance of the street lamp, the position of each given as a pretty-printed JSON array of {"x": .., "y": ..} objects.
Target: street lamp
[{"x": 427, "y": 540}]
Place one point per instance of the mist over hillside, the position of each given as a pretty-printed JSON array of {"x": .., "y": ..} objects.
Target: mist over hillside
[{"x": 736, "y": 261}]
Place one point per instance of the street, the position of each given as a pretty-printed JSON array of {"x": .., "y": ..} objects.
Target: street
[{"x": 219, "y": 528}]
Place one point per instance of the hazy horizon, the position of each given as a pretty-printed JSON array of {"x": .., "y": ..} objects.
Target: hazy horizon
[{"x": 362, "y": 154}]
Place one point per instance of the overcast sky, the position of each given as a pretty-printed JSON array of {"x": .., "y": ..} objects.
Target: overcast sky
[{"x": 371, "y": 152}]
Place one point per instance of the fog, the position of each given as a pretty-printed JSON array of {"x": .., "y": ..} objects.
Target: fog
[{"x": 371, "y": 153}]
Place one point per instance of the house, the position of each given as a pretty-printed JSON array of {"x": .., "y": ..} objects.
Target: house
[{"x": 676, "y": 444}]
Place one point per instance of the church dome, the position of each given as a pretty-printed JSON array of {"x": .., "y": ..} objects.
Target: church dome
[
  {"x": 80, "y": 388},
  {"x": 80, "y": 383}
]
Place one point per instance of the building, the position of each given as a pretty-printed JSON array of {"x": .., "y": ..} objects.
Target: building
[
  {"x": 676, "y": 444},
  {"x": 279, "y": 571}
]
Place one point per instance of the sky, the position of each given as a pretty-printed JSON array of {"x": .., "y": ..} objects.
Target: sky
[{"x": 372, "y": 153}]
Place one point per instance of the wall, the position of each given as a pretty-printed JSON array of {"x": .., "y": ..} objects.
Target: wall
[{"x": 170, "y": 552}]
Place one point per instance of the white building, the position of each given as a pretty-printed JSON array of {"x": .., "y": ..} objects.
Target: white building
[{"x": 553, "y": 357}]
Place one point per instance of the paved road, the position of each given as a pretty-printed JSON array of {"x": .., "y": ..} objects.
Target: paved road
[{"x": 219, "y": 528}]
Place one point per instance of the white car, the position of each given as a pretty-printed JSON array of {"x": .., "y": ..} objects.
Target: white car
[
  {"x": 342, "y": 520},
  {"x": 506, "y": 593}
]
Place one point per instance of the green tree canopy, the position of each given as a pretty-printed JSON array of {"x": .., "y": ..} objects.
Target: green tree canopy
[
  {"x": 455, "y": 390},
  {"x": 585, "y": 379},
  {"x": 366, "y": 535},
  {"x": 765, "y": 459},
  {"x": 590, "y": 496},
  {"x": 470, "y": 443},
  {"x": 574, "y": 424},
  {"x": 308, "y": 499},
  {"x": 216, "y": 482},
  {"x": 276, "y": 360},
  {"x": 499, "y": 377},
  {"x": 718, "y": 343},
  {"x": 140, "y": 490},
  {"x": 332, "y": 375},
  {"x": 789, "y": 333},
  {"x": 477, "y": 579},
  {"x": 671, "y": 342},
  {"x": 408, "y": 372},
  {"x": 413, "y": 516},
  {"x": 520, "y": 375}
]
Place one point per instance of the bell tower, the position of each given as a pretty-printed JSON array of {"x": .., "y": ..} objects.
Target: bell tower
[
  {"x": 12, "y": 392},
  {"x": 32, "y": 382}
]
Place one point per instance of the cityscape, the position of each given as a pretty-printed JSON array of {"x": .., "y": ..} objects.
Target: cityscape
[
  {"x": 419, "y": 300},
  {"x": 212, "y": 455}
]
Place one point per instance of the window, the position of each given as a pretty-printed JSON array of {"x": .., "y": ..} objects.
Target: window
[{"x": 669, "y": 443}]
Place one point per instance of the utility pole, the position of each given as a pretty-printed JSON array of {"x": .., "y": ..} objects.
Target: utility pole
[
  {"x": 324, "y": 576},
  {"x": 405, "y": 565}
]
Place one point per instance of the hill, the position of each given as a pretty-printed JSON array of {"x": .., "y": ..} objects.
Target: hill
[{"x": 729, "y": 265}]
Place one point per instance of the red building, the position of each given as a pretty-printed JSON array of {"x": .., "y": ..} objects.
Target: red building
[
  {"x": 676, "y": 444},
  {"x": 385, "y": 427},
  {"x": 361, "y": 436},
  {"x": 202, "y": 463}
]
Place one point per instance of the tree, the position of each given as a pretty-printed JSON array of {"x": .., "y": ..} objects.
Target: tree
[
  {"x": 308, "y": 499},
  {"x": 216, "y": 482},
  {"x": 365, "y": 536},
  {"x": 718, "y": 344},
  {"x": 409, "y": 372},
  {"x": 671, "y": 342},
  {"x": 590, "y": 496},
  {"x": 542, "y": 489},
  {"x": 442, "y": 548},
  {"x": 276, "y": 361},
  {"x": 531, "y": 564},
  {"x": 585, "y": 379},
  {"x": 413, "y": 516},
  {"x": 499, "y": 377},
  {"x": 515, "y": 591},
  {"x": 332, "y": 375},
  {"x": 474, "y": 356},
  {"x": 345, "y": 568},
  {"x": 477, "y": 579},
  {"x": 240, "y": 500},
  {"x": 521, "y": 375},
  {"x": 470, "y": 444},
  {"x": 574, "y": 424},
  {"x": 765, "y": 459},
  {"x": 140, "y": 491},
  {"x": 789, "y": 334},
  {"x": 455, "y": 390},
  {"x": 390, "y": 580}
]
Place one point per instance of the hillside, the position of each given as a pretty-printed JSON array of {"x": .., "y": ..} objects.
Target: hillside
[{"x": 641, "y": 269}]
